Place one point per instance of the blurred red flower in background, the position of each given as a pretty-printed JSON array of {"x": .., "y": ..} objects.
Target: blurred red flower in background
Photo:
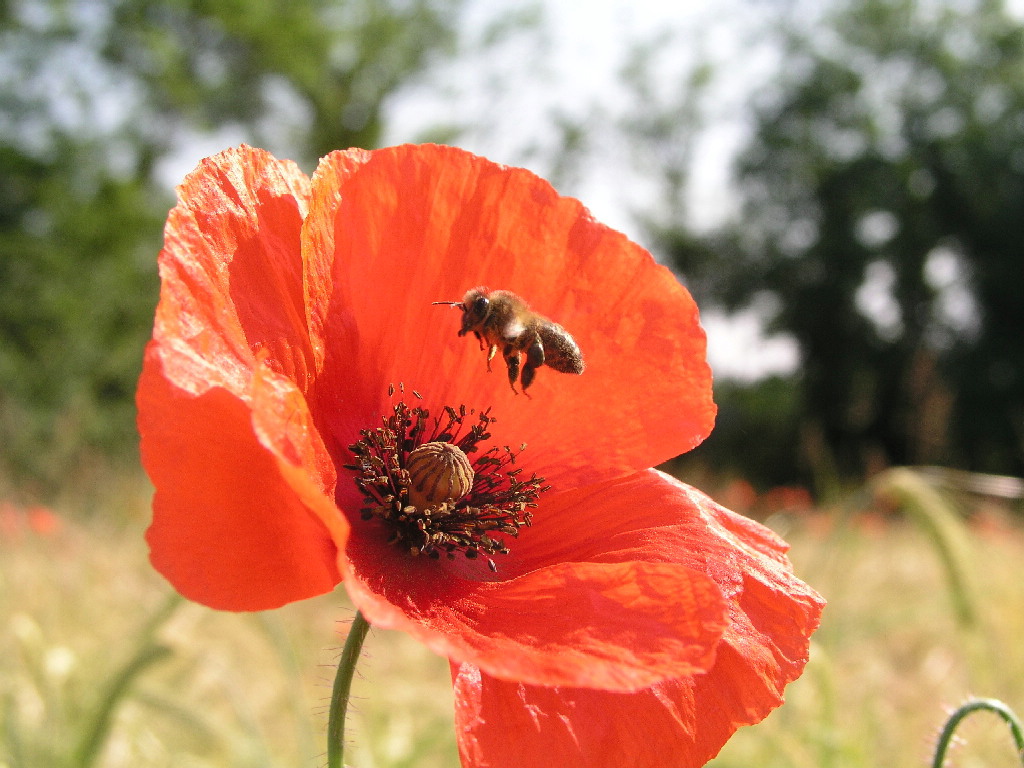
[
  {"x": 635, "y": 622},
  {"x": 16, "y": 520}
]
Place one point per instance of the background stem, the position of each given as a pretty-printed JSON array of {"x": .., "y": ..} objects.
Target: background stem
[{"x": 991, "y": 705}]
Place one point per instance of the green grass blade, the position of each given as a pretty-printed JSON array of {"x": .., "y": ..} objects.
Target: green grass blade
[
  {"x": 147, "y": 652},
  {"x": 935, "y": 516}
]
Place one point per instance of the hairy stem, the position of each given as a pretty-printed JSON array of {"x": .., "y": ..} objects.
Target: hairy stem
[
  {"x": 992, "y": 705},
  {"x": 342, "y": 687}
]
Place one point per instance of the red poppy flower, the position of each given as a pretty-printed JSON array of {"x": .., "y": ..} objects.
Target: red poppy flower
[{"x": 595, "y": 611}]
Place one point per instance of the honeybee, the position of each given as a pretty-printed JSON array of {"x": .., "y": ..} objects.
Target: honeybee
[{"x": 502, "y": 319}]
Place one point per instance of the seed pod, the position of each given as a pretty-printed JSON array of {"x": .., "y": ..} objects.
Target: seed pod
[{"x": 438, "y": 472}]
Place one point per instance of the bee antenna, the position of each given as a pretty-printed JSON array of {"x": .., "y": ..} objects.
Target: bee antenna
[{"x": 450, "y": 303}]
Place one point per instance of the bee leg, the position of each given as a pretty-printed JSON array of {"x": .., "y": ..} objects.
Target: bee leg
[
  {"x": 479, "y": 339},
  {"x": 512, "y": 360},
  {"x": 534, "y": 360},
  {"x": 490, "y": 355}
]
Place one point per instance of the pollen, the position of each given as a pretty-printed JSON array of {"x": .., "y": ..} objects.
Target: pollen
[{"x": 438, "y": 486}]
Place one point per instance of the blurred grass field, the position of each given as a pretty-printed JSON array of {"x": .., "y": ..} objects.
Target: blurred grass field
[{"x": 893, "y": 656}]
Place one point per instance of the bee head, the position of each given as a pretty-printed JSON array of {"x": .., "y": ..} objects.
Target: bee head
[{"x": 475, "y": 307}]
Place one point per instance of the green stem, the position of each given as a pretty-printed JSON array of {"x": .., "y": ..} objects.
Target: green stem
[
  {"x": 342, "y": 686},
  {"x": 992, "y": 705}
]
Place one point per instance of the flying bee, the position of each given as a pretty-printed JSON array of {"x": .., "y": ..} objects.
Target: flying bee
[{"x": 500, "y": 319}]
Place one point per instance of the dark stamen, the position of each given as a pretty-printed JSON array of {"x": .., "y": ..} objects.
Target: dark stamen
[{"x": 499, "y": 501}]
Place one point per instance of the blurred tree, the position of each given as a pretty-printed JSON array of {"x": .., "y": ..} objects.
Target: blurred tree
[
  {"x": 883, "y": 209},
  {"x": 94, "y": 96},
  {"x": 311, "y": 74},
  {"x": 77, "y": 289}
]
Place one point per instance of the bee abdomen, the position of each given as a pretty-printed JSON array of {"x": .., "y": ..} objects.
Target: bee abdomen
[{"x": 560, "y": 349}]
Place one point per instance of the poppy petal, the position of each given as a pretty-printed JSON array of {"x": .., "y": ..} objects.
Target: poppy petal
[
  {"x": 677, "y": 723},
  {"x": 241, "y": 476},
  {"x": 504, "y": 724},
  {"x": 554, "y": 594},
  {"x": 230, "y": 529},
  {"x": 283, "y": 424},
  {"x": 421, "y": 224},
  {"x": 615, "y": 626},
  {"x": 318, "y": 236},
  {"x": 231, "y": 273},
  {"x": 651, "y": 516}
]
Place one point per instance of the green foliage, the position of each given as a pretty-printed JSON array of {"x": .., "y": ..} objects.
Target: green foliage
[
  {"x": 755, "y": 426},
  {"x": 76, "y": 298},
  {"x": 882, "y": 194},
  {"x": 93, "y": 98}
]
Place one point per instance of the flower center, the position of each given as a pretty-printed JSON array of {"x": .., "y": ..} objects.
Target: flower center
[
  {"x": 439, "y": 473},
  {"x": 416, "y": 474}
]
